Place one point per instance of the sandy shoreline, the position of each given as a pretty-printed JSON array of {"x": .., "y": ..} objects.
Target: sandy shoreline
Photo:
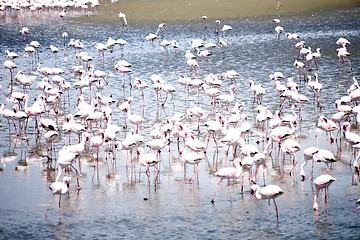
[{"x": 177, "y": 10}]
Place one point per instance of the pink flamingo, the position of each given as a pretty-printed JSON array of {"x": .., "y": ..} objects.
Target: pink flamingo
[
  {"x": 324, "y": 156},
  {"x": 322, "y": 182},
  {"x": 291, "y": 146},
  {"x": 10, "y": 65},
  {"x": 192, "y": 158},
  {"x": 228, "y": 173},
  {"x": 308, "y": 155},
  {"x": 327, "y": 125},
  {"x": 148, "y": 160},
  {"x": 59, "y": 188},
  {"x": 268, "y": 192}
]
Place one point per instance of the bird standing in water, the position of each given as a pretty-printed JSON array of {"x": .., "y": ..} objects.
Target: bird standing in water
[
  {"x": 267, "y": 192},
  {"x": 322, "y": 182},
  {"x": 59, "y": 188}
]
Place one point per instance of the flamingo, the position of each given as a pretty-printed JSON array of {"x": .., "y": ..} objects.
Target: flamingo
[
  {"x": 213, "y": 129},
  {"x": 217, "y": 26},
  {"x": 140, "y": 85},
  {"x": 151, "y": 37},
  {"x": 194, "y": 144},
  {"x": 10, "y": 65},
  {"x": 192, "y": 158},
  {"x": 160, "y": 28},
  {"x": 322, "y": 182},
  {"x": 8, "y": 114},
  {"x": 290, "y": 117},
  {"x": 308, "y": 155},
  {"x": 135, "y": 119},
  {"x": 316, "y": 87},
  {"x": 324, "y": 156},
  {"x": 123, "y": 20},
  {"x": 226, "y": 28},
  {"x": 279, "y": 30},
  {"x": 65, "y": 160},
  {"x": 174, "y": 44},
  {"x": 101, "y": 48},
  {"x": 343, "y": 54},
  {"x": 267, "y": 192},
  {"x": 11, "y": 55},
  {"x": 59, "y": 188},
  {"x": 299, "y": 65},
  {"x": 168, "y": 88},
  {"x": 232, "y": 75},
  {"x": 292, "y": 36},
  {"x": 123, "y": 67},
  {"x": 198, "y": 112},
  {"x": 258, "y": 91},
  {"x": 226, "y": 99},
  {"x": 291, "y": 146},
  {"x": 327, "y": 125},
  {"x": 342, "y": 41},
  {"x": 25, "y": 31},
  {"x": 351, "y": 137},
  {"x": 204, "y": 18},
  {"x": 232, "y": 138},
  {"x": 165, "y": 43},
  {"x": 279, "y": 134},
  {"x": 210, "y": 46},
  {"x": 212, "y": 93},
  {"x": 148, "y": 160},
  {"x": 276, "y": 76},
  {"x": 228, "y": 173}
]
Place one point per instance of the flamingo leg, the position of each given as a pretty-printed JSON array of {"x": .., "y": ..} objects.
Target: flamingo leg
[
  {"x": 212, "y": 200},
  {"x": 269, "y": 211},
  {"x": 229, "y": 190},
  {"x": 49, "y": 205}
]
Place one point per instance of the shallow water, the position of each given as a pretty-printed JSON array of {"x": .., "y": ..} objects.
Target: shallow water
[{"x": 127, "y": 206}]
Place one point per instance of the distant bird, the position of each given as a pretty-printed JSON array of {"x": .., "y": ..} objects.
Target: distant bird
[
  {"x": 11, "y": 55},
  {"x": 123, "y": 20},
  {"x": 217, "y": 26},
  {"x": 279, "y": 30},
  {"x": 342, "y": 41},
  {"x": 226, "y": 28},
  {"x": 276, "y": 76},
  {"x": 267, "y": 192},
  {"x": 343, "y": 54},
  {"x": 25, "y": 31},
  {"x": 160, "y": 28},
  {"x": 322, "y": 182},
  {"x": 204, "y": 23},
  {"x": 151, "y": 37},
  {"x": 59, "y": 188},
  {"x": 292, "y": 36},
  {"x": 228, "y": 173},
  {"x": 10, "y": 65},
  {"x": 276, "y": 21}
]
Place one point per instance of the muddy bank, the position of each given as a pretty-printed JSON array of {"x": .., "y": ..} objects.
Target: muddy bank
[{"x": 138, "y": 11}]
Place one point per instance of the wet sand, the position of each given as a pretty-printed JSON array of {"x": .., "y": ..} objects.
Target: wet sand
[{"x": 177, "y": 10}]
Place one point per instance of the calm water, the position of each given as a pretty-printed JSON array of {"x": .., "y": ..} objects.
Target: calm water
[{"x": 124, "y": 206}]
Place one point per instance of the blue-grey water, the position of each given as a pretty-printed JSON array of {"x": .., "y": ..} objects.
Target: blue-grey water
[{"x": 116, "y": 204}]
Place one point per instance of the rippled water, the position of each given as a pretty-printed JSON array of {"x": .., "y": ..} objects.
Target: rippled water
[{"x": 129, "y": 207}]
